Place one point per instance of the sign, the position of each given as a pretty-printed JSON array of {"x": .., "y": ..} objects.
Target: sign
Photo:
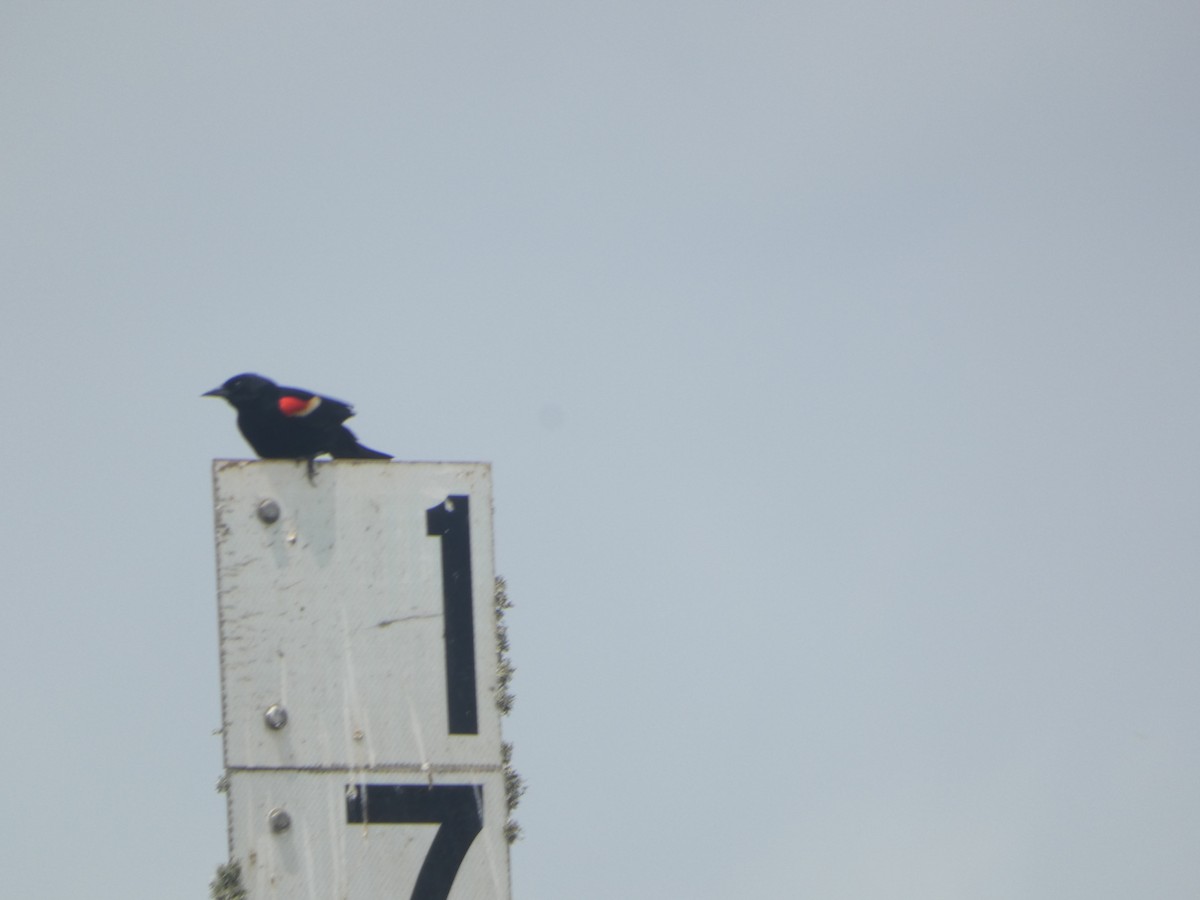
[{"x": 359, "y": 680}]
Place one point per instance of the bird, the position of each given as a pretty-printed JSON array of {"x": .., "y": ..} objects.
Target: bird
[{"x": 291, "y": 423}]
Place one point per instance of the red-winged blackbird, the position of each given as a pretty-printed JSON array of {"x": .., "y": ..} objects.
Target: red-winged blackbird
[{"x": 288, "y": 423}]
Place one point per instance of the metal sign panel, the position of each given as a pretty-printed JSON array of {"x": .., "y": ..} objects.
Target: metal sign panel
[
  {"x": 372, "y": 836},
  {"x": 358, "y": 666}
]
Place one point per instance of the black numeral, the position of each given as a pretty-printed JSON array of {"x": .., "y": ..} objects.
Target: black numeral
[
  {"x": 451, "y": 521},
  {"x": 457, "y": 808}
]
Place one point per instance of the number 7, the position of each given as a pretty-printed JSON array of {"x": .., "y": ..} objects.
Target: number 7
[{"x": 457, "y": 808}]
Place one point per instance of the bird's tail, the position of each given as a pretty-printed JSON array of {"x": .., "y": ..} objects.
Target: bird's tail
[
  {"x": 352, "y": 449},
  {"x": 358, "y": 451}
]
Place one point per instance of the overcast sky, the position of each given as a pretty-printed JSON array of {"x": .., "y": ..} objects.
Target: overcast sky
[{"x": 837, "y": 362}]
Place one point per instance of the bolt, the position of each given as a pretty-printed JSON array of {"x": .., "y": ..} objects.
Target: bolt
[
  {"x": 276, "y": 716},
  {"x": 279, "y": 819},
  {"x": 268, "y": 512}
]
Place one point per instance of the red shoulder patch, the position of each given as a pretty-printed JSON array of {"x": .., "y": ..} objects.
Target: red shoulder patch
[{"x": 294, "y": 406}]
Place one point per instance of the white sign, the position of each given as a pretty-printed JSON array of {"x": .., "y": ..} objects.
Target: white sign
[{"x": 358, "y": 669}]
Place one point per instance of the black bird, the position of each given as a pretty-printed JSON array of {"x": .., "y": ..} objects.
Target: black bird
[{"x": 288, "y": 423}]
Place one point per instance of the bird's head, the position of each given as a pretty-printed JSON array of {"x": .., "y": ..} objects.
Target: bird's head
[{"x": 244, "y": 390}]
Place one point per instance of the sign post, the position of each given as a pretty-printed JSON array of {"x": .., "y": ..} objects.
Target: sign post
[{"x": 361, "y": 732}]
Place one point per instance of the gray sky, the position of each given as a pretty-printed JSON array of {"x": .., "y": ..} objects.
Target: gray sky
[{"x": 838, "y": 365}]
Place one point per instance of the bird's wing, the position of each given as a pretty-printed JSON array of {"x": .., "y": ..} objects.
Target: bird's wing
[{"x": 297, "y": 403}]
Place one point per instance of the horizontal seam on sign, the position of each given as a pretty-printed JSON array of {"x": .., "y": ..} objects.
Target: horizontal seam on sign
[{"x": 384, "y": 768}]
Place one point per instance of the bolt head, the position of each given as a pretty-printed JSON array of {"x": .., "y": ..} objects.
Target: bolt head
[
  {"x": 268, "y": 512},
  {"x": 279, "y": 820}
]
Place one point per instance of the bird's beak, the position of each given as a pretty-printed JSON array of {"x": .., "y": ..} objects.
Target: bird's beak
[{"x": 216, "y": 392}]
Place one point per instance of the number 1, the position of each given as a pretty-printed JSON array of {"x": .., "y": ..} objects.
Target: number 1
[{"x": 451, "y": 521}]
